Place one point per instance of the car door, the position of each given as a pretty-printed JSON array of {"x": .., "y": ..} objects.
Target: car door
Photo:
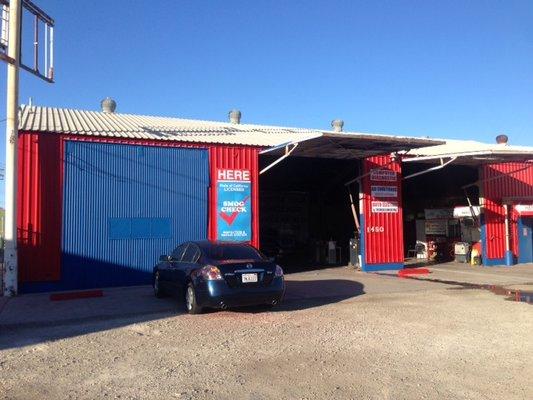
[{"x": 188, "y": 263}]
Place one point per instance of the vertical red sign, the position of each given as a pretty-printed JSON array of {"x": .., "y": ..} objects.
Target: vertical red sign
[{"x": 381, "y": 214}]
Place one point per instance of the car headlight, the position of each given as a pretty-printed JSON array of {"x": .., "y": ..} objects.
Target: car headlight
[{"x": 279, "y": 271}]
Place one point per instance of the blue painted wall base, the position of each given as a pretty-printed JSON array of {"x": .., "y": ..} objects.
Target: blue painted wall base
[
  {"x": 381, "y": 267},
  {"x": 493, "y": 262},
  {"x": 509, "y": 259}
]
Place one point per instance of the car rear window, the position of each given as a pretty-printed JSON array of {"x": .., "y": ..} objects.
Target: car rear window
[{"x": 234, "y": 252}]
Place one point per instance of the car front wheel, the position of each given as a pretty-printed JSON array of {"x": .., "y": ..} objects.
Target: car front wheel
[{"x": 190, "y": 300}]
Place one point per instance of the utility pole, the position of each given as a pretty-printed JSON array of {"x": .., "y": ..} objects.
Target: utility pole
[{"x": 10, "y": 250}]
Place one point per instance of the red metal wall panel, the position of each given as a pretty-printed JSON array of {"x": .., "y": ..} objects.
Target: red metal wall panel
[
  {"x": 39, "y": 199},
  {"x": 40, "y": 195},
  {"x": 224, "y": 157},
  {"x": 500, "y": 181},
  {"x": 383, "y": 231}
]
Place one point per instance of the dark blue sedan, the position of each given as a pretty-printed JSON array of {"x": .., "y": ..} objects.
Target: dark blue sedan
[{"x": 219, "y": 275}]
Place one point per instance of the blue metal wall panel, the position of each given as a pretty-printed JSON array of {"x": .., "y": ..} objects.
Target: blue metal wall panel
[
  {"x": 125, "y": 205},
  {"x": 525, "y": 241}
]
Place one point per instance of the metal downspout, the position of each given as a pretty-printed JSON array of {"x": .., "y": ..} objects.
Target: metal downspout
[{"x": 508, "y": 252}]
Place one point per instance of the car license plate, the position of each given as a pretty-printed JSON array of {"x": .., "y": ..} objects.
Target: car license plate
[{"x": 248, "y": 278}]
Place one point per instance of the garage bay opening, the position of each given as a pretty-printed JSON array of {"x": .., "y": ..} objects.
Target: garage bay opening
[
  {"x": 306, "y": 217},
  {"x": 441, "y": 213}
]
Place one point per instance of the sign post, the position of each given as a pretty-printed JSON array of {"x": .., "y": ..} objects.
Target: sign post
[
  {"x": 10, "y": 248},
  {"x": 10, "y": 38}
]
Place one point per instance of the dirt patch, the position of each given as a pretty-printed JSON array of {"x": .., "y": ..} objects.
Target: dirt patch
[{"x": 425, "y": 344}]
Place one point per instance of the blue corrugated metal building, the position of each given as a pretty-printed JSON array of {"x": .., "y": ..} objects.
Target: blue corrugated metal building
[{"x": 124, "y": 205}]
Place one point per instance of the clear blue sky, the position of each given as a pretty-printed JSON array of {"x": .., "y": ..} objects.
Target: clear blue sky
[{"x": 452, "y": 69}]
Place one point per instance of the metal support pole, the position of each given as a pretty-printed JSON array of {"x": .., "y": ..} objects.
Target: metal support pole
[
  {"x": 354, "y": 213},
  {"x": 51, "y": 67},
  {"x": 46, "y": 29},
  {"x": 36, "y": 43},
  {"x": 442, "y": 165},
  {"x": 508, "y": 252},
  {"x": 283, "y": 157},
  {"x": 10, "y": 251}
]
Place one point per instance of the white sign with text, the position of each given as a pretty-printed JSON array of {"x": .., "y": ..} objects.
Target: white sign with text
[
  {"x": 384, "y": 191},
  {"x": 385, "y": 175},
  {"x": 384, "y": 206}
]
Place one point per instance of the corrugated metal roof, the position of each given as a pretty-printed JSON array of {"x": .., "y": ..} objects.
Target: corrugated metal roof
[
  {"x": 92, "y": 123},
  {"x": 471, "y": 151},
  {"x": 350, "y": 145}
]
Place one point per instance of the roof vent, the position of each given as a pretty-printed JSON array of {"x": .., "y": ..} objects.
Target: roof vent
[
  {"x": 502, "y": 139},
  {"x": 108, "y": 105},
  {"x": 235, "y": 116},
  {"x": 337, "y": 125}
]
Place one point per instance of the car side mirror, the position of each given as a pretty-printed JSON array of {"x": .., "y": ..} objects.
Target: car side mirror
[{"x": 164, "y": 257}]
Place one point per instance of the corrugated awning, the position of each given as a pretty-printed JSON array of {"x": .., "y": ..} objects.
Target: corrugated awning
[
  {"x": 469, "y": 152},
  {"x": 352, "y": 145}
]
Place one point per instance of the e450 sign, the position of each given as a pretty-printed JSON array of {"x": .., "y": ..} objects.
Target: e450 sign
[{"x": 375, "y": 229}]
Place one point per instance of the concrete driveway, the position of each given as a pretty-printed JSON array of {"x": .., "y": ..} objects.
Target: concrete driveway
[{"x": 339, "y": 334}]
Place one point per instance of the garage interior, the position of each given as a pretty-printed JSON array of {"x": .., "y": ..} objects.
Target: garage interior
[
  {"x": 304, "y": 209},
  {"x": 306, "y": 215},
  {"x": 430, "y": 225}
]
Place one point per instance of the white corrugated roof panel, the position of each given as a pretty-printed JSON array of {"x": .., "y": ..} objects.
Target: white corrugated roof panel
[
  {"x": 471, "y": 150},
  {"x": 80, "y": 122},
  {"x": 459, "y": 147},
  {"x": 325, "y": 144}
]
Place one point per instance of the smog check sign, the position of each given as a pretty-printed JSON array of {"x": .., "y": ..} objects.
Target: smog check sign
[{"x": 234, "y": 205}]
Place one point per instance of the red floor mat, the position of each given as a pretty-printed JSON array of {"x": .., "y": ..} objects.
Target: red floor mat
[
  {"x": 76, "y": 295},
  {"x": 413, "y": 271}
]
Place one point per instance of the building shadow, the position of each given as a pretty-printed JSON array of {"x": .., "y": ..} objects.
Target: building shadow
[{"x": 35, "y": 319}]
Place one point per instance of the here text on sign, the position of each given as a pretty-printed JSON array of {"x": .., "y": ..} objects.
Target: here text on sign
[{"x": 233, "y": 175}]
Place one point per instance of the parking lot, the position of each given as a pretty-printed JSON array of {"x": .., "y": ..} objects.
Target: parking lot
[{"x": 455, "y": 333}]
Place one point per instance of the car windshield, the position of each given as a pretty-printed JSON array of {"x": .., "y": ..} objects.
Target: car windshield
[{"x": 234, "y": 252}]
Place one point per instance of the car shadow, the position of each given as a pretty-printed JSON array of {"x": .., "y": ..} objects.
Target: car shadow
[{"x": 301, "y": 295}]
